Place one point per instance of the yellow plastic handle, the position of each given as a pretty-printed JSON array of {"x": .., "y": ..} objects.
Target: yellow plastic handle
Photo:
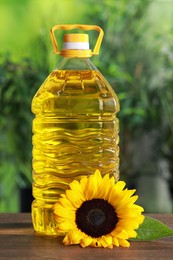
[{"x": 77, "y": 26}]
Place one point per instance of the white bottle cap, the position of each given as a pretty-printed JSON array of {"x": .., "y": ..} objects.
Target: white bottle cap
[{"x": 76, "y": 42}]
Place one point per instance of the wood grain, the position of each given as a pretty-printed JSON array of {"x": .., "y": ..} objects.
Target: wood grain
[{"x": 18, "y": 241}]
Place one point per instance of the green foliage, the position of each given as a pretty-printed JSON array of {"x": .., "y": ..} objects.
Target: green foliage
[
  {"x": 9, "y": 196},
  {"x": 136, "y": 63},
  {"x": 22, "y": 21},
  {"x": 18, "y": 82},
  {"x": 20, "y": 78},
  {"x": 125, "y": 59},
  {"x": 152, "y": 229},
  {"x": 133, "y": 61}
]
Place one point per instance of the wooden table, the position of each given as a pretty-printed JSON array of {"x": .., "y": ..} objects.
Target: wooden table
[{"x": 18, "y": 241}]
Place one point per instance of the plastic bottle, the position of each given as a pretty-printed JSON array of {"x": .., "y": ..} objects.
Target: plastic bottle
[{"x": 75, "y": 130}]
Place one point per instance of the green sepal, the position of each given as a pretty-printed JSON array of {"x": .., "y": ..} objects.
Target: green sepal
[{"x": 152, "y": 229}]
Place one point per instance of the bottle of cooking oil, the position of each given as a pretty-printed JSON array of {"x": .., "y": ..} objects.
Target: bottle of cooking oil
[{"x": 75, "y": 130}]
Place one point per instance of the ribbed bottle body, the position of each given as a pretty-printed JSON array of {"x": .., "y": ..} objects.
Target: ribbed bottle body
[{"x": 75, "y": 132}]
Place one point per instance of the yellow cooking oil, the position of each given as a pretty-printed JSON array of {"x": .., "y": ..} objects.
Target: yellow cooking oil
[{"x": 75, "y": 132}]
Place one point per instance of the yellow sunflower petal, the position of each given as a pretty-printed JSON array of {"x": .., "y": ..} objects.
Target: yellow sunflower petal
[
  {"x": 103, "y": 243},
  {"x": 67, "y": 226},
  {"x": 137, "y": 207},
  {"x": 86, "y": 241},
  {"x": 106, "y": 177},
  {"x": 129, "y": 212},
  {"x": 119, "y": 186},
  {"x": 66, "y": 203},
  {"x": 75, "y": 198},
  {"x": 64, "y": 212},
  {"x": 133, "y": 199},
  {"x": 132, "y": 233},
  {"x": 130, "y": 223},
  {"x": 104, "y": 189},
  {"x": 62, "y": 195},
  {"x": 115, "y": 191},
  {"x": 124, "y": 197},
  {"x": 83, "y": 183},
  {"x": 66, "y": 240},
  {"x": 91, "y": 188},
  {"x": 129, "y": 215},
  {"x": 96, "y": 242},
  {"x": 125, "y": 202},
  {"x": 112, "y": 181},
  {"x": 115, "y": 241},
  {"x": 123, "y": 235},
  {"x": 125, "y": 223},
  {"x": 141, "y": 219},
  {"x": 128, "y": 193},
  {"x": 75, "y": 185},
  {"x": 107, "y": 239},
  {"x": 98, "y": 175},
  {"x": 75, "y": 236},
  {"x": 123, "y": 242}
]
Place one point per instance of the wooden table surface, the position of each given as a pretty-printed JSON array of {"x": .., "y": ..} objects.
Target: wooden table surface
[{"x": 18, "y": 241}]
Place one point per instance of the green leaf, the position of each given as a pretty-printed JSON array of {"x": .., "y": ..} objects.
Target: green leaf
[{"x": 152, "y": 229}]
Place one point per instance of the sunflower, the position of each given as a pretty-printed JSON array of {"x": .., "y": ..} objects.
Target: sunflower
[{"x": 98, "y": 212}]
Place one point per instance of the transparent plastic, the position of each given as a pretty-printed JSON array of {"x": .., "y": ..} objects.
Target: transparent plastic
[{"x": 75, "y": 132}]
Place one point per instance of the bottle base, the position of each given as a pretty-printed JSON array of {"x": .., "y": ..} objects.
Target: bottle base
[{"x": 42, "y": 218}]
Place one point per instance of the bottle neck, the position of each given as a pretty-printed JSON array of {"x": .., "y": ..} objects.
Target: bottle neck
[{"x": 76, "y": 64}]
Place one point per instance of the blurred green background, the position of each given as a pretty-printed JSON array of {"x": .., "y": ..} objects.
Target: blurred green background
[{"x": 136, "y": 57}]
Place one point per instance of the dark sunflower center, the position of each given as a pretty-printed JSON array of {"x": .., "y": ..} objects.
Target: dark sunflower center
[{"x": 96, "y": 217}]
